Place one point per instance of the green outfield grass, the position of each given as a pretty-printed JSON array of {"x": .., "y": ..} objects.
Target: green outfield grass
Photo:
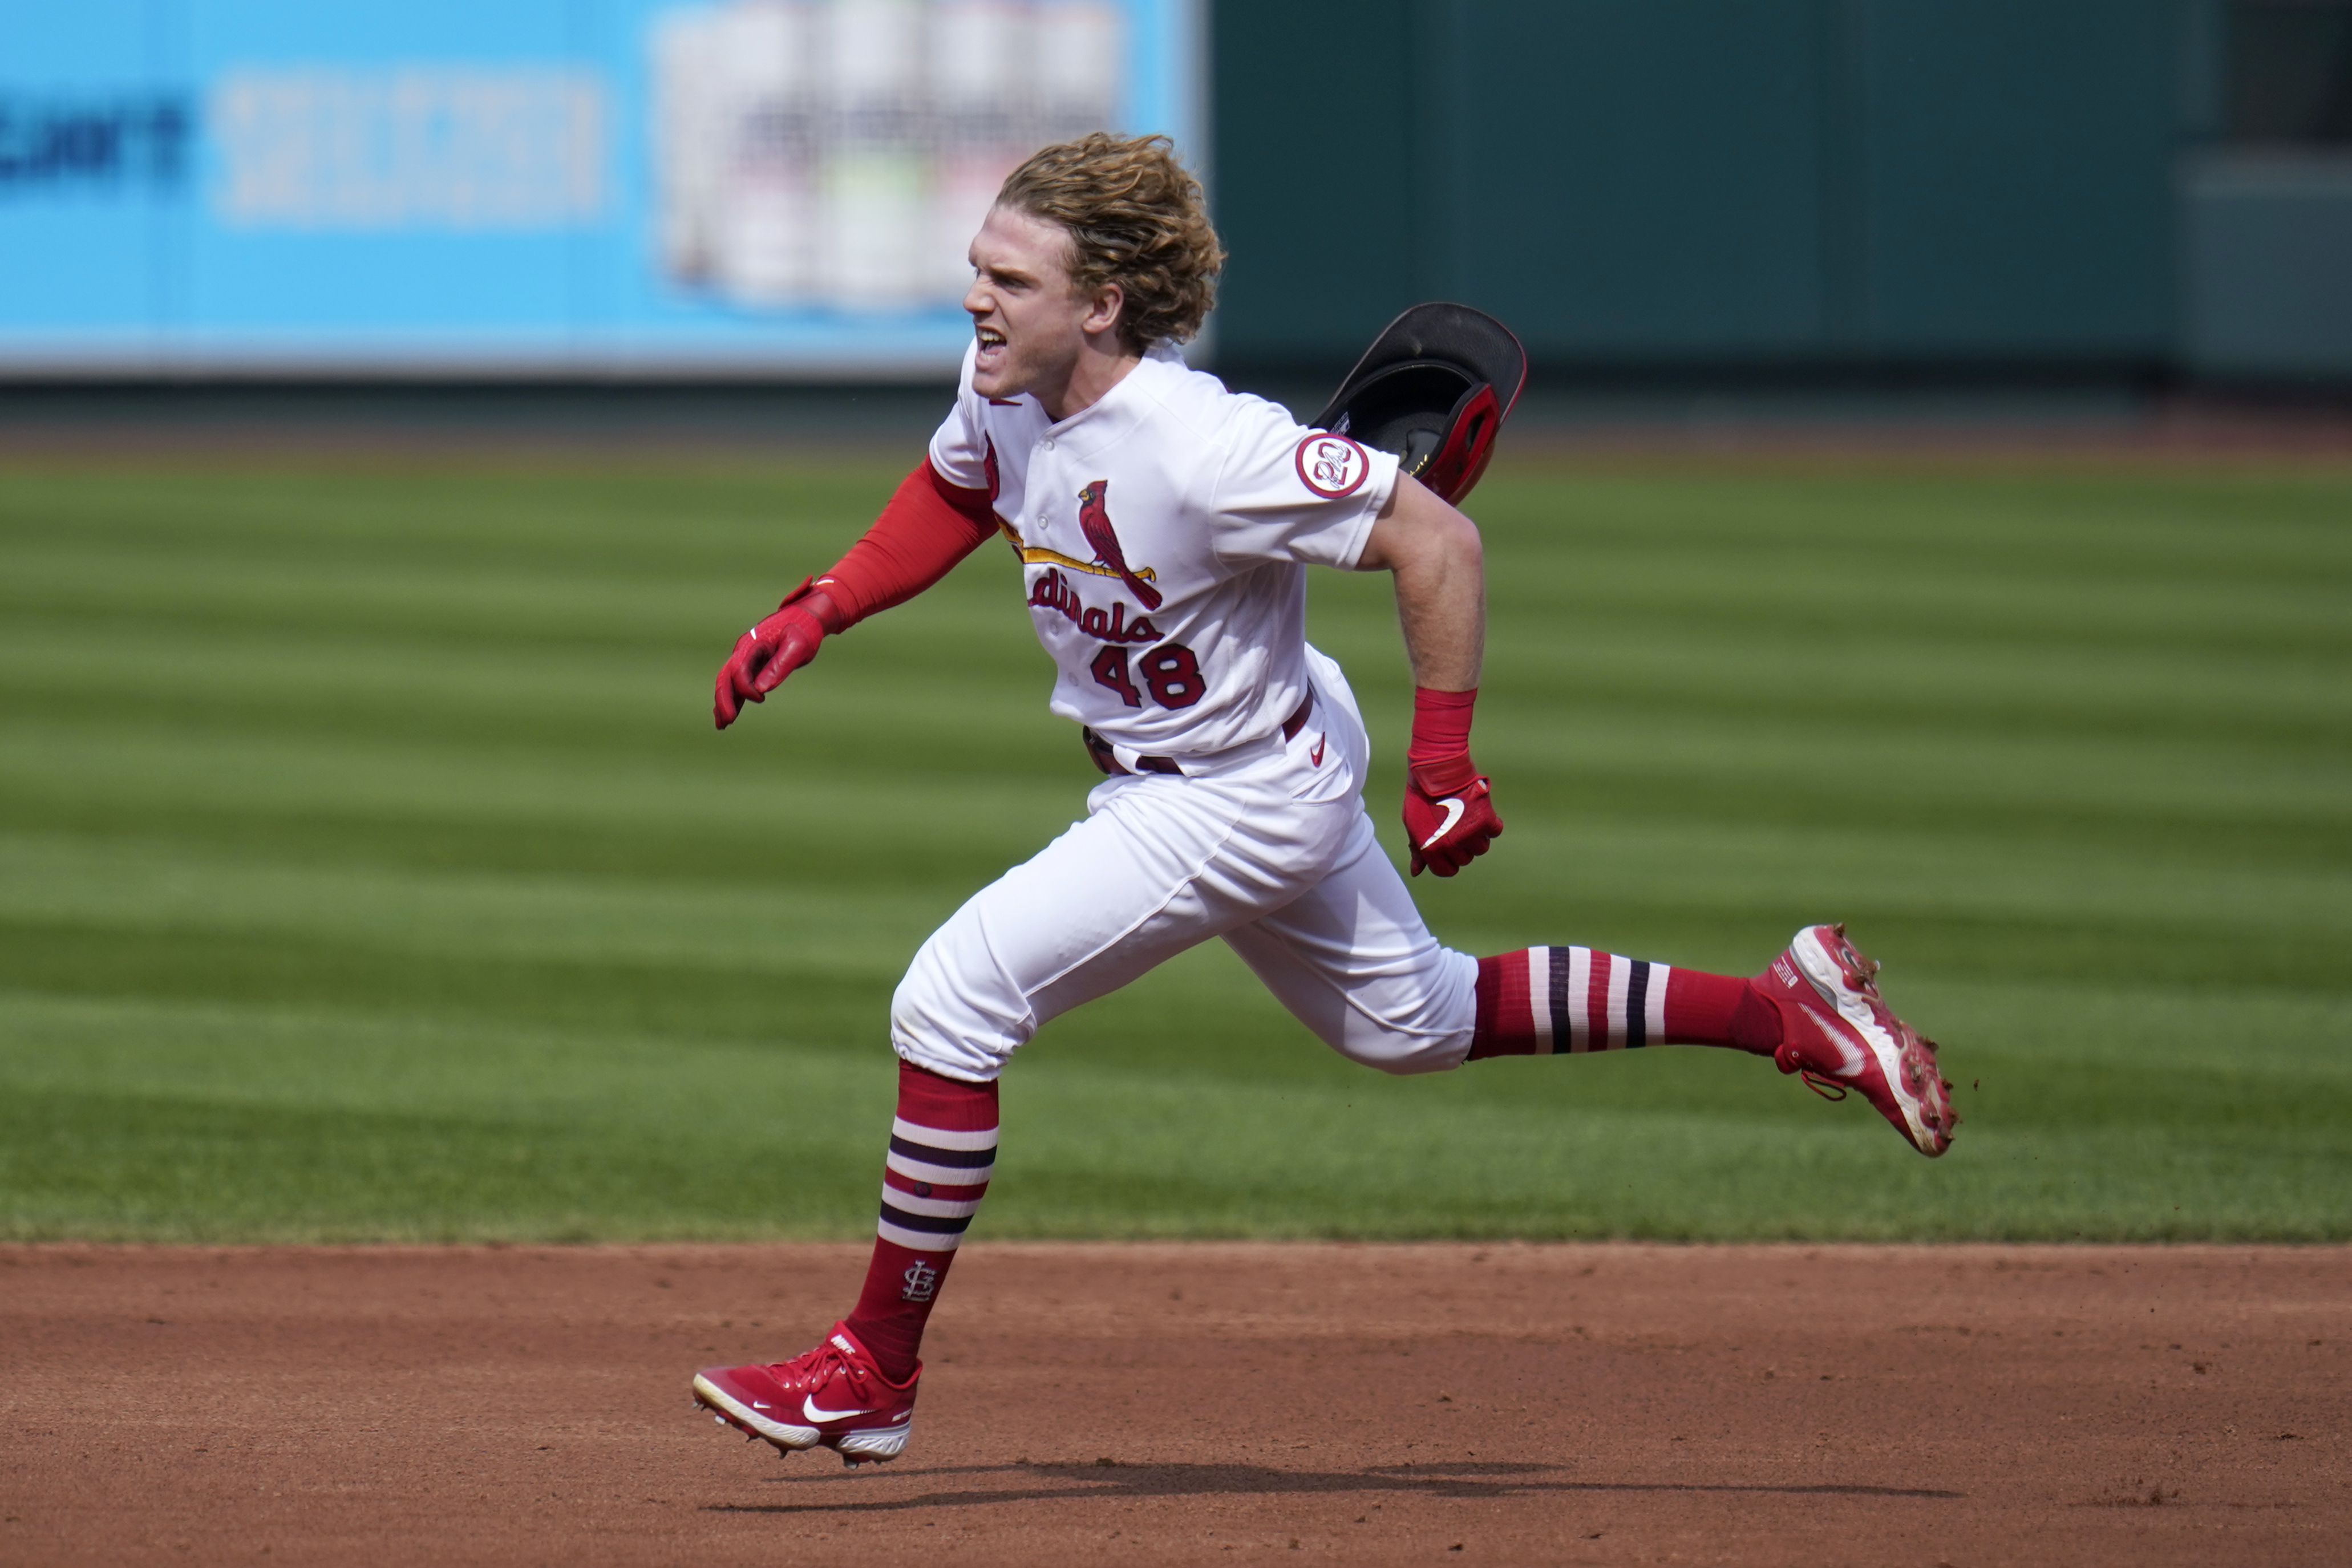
[{"x": 369, "y": 868}]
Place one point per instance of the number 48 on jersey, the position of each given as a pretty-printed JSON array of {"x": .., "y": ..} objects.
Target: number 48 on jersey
[{"x": 1168, "y": 671}]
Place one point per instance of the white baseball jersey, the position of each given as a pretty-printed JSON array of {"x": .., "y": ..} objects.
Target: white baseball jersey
[{"x": 1164, "y": 535}]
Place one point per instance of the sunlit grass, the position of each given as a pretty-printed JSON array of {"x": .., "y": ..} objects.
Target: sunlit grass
[{"x": 369, "y": 868}]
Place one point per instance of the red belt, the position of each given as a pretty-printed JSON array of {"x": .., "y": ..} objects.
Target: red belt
[{"x": 1100, "y": 750}]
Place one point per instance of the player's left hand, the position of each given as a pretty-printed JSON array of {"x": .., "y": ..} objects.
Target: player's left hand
[
  {"x": 770, "y": 651},
  {"x": 1449, "y": 816}
]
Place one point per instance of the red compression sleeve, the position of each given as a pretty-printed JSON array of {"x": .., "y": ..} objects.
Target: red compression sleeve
[
  {"x": 1441, "y": 731},
  {"x": 929, "y": 526}
]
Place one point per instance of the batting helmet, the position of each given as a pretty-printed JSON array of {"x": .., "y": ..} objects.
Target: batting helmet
[{"x": 1434, "y": 387}]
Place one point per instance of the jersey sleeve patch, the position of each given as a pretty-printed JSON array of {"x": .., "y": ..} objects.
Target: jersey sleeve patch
[
  {"x": 1285, "y": 492},
  {"x": 1333, "y": 466}
]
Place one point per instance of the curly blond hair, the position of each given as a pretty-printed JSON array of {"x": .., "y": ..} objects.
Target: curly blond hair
[{"x": 1135, "y": 218}]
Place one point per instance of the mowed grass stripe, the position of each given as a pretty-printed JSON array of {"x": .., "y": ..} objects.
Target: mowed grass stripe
[
  {"x": 426, "y": 683},
  {"x": 368, "y": 867},
  {"x": 415, "y": 1133},
  {"x": 197, "y": 1164}
]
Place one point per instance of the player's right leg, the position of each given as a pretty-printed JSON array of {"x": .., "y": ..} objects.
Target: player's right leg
[
  {"x": 1159, "y": 865},
  {"x": 855, "y": 1392}
]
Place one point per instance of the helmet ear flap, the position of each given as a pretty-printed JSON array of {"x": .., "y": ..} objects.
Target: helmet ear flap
[
  {"x": 1433, "y": 389},
  {"x": 1470, "y": 432}
]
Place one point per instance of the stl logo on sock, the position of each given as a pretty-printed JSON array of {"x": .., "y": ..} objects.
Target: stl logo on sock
[{"x": 921, "y": 1281}]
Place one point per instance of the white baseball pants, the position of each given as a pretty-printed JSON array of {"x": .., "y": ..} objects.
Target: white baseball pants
[{"x": 1268, "y": 847}]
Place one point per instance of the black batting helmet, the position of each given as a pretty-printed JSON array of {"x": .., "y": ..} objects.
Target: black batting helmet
[{"x": 1434, "y": 388}]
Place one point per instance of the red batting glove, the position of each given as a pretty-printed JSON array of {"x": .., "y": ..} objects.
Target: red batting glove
[
  {"x": 773, "y": 649},
  {"x": 1449, "y": 817}
]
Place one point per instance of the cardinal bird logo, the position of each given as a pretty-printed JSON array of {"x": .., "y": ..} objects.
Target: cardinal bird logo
[{"x": 1094, "y": 520}]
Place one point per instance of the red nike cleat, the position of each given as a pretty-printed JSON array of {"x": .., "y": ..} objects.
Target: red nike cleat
[
  {"x": 1838, "y": 1032},
  {"x": 833, "y": 1396}
]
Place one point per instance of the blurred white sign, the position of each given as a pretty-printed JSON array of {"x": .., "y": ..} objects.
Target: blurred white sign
[
  {"x": 842, "y": 152},
  {"x": 454, "y": 147}
]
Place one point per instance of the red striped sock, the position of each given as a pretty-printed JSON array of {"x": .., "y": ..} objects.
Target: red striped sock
[
  {"x": 942, "y": 1151},
  {"x": 1541, "y": 1002}
]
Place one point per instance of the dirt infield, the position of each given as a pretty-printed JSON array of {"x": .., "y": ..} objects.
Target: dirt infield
[{"x": 1427, "y": 1404}]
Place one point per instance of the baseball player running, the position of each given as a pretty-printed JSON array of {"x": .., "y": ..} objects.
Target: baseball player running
[{"x": 1164, "y": 526}]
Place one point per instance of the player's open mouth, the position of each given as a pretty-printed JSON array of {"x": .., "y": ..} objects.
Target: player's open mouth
[{"x": 989, "y": 337}]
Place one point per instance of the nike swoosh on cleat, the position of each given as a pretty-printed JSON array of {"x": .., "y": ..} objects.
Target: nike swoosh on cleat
[
  {"x": 818, "y": 1412},
  {"x": 1454, "y": 808},
  {"x": 1851, "y": 1057}
]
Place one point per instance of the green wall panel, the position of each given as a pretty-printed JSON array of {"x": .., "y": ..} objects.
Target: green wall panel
[
  {"x": 1311, "y": 186},
  {"x": 1678, "y": 181},
  {"x": 2019, "y": 177},
  {"x": 1642, "y": 180}
]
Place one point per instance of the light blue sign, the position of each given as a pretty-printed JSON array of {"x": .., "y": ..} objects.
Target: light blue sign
[{"x": 657, "y": 184}]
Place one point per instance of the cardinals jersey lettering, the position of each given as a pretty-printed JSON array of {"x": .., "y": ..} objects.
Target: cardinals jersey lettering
[{"x": 1164, "y": 535}]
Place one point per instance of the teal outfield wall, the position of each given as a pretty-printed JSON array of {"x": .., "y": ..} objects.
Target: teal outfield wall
[{"x": 1706, "y": 183}]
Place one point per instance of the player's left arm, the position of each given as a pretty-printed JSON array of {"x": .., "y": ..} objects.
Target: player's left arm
[
  {"x": 1440, "y": 584},
  {"x": 1439, "y": 564}
]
